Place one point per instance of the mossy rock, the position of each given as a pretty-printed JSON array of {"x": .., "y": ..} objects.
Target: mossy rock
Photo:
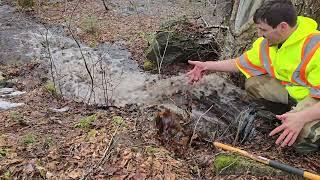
[
  {"x": 149, "y": 65},
  {"x": 231, "y": 164}
]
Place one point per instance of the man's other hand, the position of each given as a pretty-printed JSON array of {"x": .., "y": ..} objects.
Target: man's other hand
[
  {"x": 292, "y": 124},
  {"x": 197, "y": 72}
]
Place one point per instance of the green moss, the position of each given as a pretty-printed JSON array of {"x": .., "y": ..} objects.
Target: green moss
[
  {"x": 6, "y": 176},
  {"x": 26, "y": 4},
  {"x": 85, "y": 123},
  {"x": 152, "y": 150},
  {"x": 149, "y": 65},
  {"x": 117, "y": 120},
  {"x": 3, "y": 153},
  {"x": 16, "y": 116},
  {"x": 49, "y": 86},
  {"x": 234, "y": 164}
]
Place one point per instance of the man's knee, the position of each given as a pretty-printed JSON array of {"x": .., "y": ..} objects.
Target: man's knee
[
  {"x": 309, "y": 138},
  {"x": 252, "y": 87},
  {"x": 266, "y": 87}
]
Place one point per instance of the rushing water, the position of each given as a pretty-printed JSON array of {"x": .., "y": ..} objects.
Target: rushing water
[{"x": 107, "y": 75}]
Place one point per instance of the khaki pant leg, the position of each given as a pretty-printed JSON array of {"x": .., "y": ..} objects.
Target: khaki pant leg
[
  {"x": 309, "y": 137},
  {"x": 265, "y": 87}
]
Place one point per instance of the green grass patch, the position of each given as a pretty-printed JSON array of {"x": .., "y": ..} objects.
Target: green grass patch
[
  {"x": 3, "y": 152},
  {"x": 86, "y": 122},
  {"x": 90, "y": 25},
  {"x": 29, "y": 139},
  {"x": 16, "y": 116},
  {"x": 50, "y": 88},
  {"x": 117, "y": 120},
  {"x": 26, "y": 4},
  {"x": 6, "y": 176}
]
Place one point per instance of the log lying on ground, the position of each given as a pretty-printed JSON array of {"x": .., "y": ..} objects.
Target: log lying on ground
[{"x": 181, "y": 40}]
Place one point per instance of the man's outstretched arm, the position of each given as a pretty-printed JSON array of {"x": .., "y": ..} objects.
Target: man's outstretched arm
[{"x": 199, "y": 67}]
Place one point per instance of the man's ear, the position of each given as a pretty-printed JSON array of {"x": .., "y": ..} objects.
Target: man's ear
[{"x": 283, "y": 26}]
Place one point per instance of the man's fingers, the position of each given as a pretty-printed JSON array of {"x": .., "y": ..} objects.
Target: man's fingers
[
  {"x": 282, "y": 136},
  {"x": 293, "y": 139},
  {"x": 288, "y": 139},
  {"x": 191, "y": 79},
  {"x": 281, "y": 117},
  {"x": 193, "y": 62},
  {"x": 190, "y": 72},
  {"x": 276, "y": 130}
]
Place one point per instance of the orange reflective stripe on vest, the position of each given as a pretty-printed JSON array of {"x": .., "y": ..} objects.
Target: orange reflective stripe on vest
[
  {"x": 265, "y": 57},
  {"x": 250, "y": 68},
  {"x": 312, "y": 43}
]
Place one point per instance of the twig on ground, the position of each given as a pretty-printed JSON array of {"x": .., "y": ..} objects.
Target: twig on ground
[
  {"x": 81, "y": 52},
  {"x": 105, "y": 5},
  {"x": 195, "y": 127}
]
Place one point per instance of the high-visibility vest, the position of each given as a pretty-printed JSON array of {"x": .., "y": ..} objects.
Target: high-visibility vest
[{"x": 296, "y": 63}]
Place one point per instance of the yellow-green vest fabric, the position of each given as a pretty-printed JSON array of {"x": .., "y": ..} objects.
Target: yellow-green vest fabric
[{"x": 285, "y": 63}]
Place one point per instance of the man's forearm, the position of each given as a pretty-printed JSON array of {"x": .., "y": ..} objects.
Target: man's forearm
[
  {"x": 224, "y": 65},
  {"x": 312, "y": 113}
]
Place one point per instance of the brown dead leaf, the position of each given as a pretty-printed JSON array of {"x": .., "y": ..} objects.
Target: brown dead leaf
[
  {"x": 139, "y": 176},
  {"x": 157, "y": 166},
  {"x": 75, "y": 174},
  {"x": 120, "y": 177},
  {"x": 169, "y": 176}
]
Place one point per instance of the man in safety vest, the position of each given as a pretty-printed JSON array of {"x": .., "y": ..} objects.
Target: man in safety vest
[{"x": 283, "y": 63}]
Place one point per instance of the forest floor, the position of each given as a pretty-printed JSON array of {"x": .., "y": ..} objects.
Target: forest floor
[{"x": 38, "y": 142}]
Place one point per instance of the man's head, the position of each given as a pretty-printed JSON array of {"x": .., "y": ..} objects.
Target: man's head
[{"x": 275, "y": 20}]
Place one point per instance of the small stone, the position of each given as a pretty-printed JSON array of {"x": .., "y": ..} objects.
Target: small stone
[
  {"x": 61, "y": 110},
  {"x": 4, "y": 105},
  {"x": 15, "y": 93},
  {"x": 6, "y": 90}
]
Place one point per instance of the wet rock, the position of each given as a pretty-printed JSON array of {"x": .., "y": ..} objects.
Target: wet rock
[
  {"x": 13, "y": 93},
  {"x": 6, "y": 91},
  {"x": 4, "y": 105},
  {"x": 16, "y": 40}
]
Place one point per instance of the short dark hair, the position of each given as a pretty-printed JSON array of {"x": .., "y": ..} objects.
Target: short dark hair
[{"x": 273, "y": 12}]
